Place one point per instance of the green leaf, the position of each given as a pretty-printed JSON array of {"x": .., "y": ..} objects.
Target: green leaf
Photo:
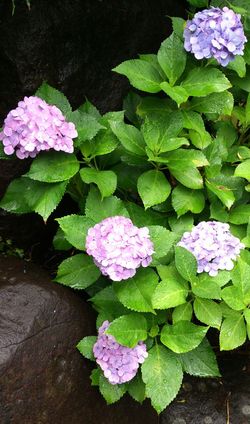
[
  {"x": 136, "y": 292},
  {"x": 53, "y": 97},
  {"x": 129, "y": 329},
  {"x": 184, "y": 200},
  {"x": 136, "y": 388},
  {"x": 182, "y": 336},
  {"x": 224, "y": 193},
  {"x": 95, "y": 377},
  {"x": 177, "y": 93},
  {"x": 183, "y": 163},
  {"x": 186, "y": 263},
  {"x": 60, "y": 242},
  {"x": 130, "y": 137},
  {"x": 197, "y": 132},
  {"x": 221, "y": 279},
  {"x": 53, "y": 167},
  {"x": 158, "y": 131},
  {"x": 201, "y": 361},
  {"x": 43, "y": 198},
  {"x": 233, "y": 332},
  {"x": 142, "y": 218},
  {"x": 141, "y": 74},
  {"x": 163, "y": 241},
  {"x": 206, "y": 288},
  {"x": 162, "y": 374},
  {"x": 111, "y": 392},
  {"x": 85, "y": 347},
  {"x": 203, "y": 81},
  {"x": 153, "y": 188},
  {"x": 103, "y": 143},
  {"x": 172, "y": 57},
  {"x": 241, "y": 280},
  {"x": 221, "y": 103},
  {"x": 182, "y": 224},
  {"x": 87, "y": 126},
  {"x": 75, "y": 228},
  {"x": 247, "y": 319},
  {"x": 233, "y": 297},
  {"x": 98, "y": 209},
  {"x": 208, "y": 312},
  {"x": 13, "y": 199},
  {"x": 238, "y": 65},
  {"x": 106, "y": 181},
  {"x": 243, "y": 170},
  {"x": 168, "y": 294},
  {"x": 198, "y": 3},
  {"x": 178, "y": 26},
  {"x": 77, "y": 272},
  {"x": 182, "y": 313},
  {"x": 106, "y": 300},
  {"x": 240, "y": 214}
]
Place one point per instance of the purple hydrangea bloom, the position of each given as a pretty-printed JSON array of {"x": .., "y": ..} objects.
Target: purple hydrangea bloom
[
  {"x": 119, "y": 247},
  {"x": 213, "y": 246},
  {"x": 119, "y": 363},
  {"x": 215, "y": 33},
  {"x": 35, "y": 126}
]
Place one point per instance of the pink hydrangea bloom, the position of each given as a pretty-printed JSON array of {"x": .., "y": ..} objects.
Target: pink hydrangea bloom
[
  {"x": 213, "y": 246},
  {"x": 35, "y": 126},
  {"x": 119, "y": 363},
  {"x": 119, "y": 247}
]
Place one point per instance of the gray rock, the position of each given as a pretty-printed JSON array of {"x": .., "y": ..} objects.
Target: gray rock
[{"x": 43, "y": 378}]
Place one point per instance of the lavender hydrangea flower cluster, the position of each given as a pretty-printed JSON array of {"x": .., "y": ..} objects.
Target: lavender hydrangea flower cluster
[
  {"x": 214, "y": 247},
  {"x": 215, "y": 33},
  {"x": 119, "y": 247},
  {"x": 35, "y": 126},
  {"x": 119, "y": 363}
]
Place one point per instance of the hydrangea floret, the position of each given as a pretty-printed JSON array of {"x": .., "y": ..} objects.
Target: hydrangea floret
[
  {"x": 213, "y": 245},
  {"x": 35, "y": 126},
  {"x": 119, "y": 363},
  {"x": 119, "y": 247},
  {"x": 216, "y": 33}
]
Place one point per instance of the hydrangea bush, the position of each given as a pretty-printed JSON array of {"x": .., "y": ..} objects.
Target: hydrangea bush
[{"x": 161, "y": 241}]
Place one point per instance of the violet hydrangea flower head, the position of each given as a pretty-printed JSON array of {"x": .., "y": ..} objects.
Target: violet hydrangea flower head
[
  {"x": 35, "y": 126},
  {"x": 214, "y": 247},
  {"x": 215, "y": 33},
  {"x": 119, "y": 363},
  {"x": 119, "y": 247}
]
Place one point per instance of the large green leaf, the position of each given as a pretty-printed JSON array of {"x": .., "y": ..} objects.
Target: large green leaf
[
  {"x": 129, "y": 329},
  {"x": 159, "y": 130},
  {"x": 53, "y": 97},
  {"x": 98, "y": 209},
  {"x": 184, "y": 200},
  {"x": 75, "y": 228},
  {"x": 172, "y": 57},
  {"x": 14, "y": 200},
  {"x": 162, "y": 374},
  {"x": 163, "y": 241},
  {"x": 233, "y": 332},
  {"x": 182, "y": 313},
  {"x": 87, "y": 126},
  {"x": 243, "y": 170},
  {"x": 201, "y": 361},
  {"x": 136, "y": 388},
  {"x": 206, "y": 288},
  {"x": 203, "y": 81},
  {"x": 182, "y": 336},
  {"x": 221, "y": 103},
  {"x": 106, "y": 300},
  {"x": 111, "y": 392},
  {"x": 106, "y": 181},
  {"x": 153, "y": 188},
  {"x": 197, "y": 132},
  {"x": 233, "y": 297},
  {"x": 241, "y": 280},
  {"x": 168, "y": 294},
  {"x": 43, "y": 198},
  {"x": 177, "y": 93},
  {"x": 85, "y": 347},
  {"x": 240, "y": 214},
  {"x": 208, "y": 312},
  {"x": 224, "y": 193},
  {"x": 130, "y": 137},
  {"x": 53, "y": 167},
  {"x": 185, "y": 263},
  {"x": 77, "y": 272},
  {"x": 136, "y": 292},
  {"x": 141, "y": 74}
]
